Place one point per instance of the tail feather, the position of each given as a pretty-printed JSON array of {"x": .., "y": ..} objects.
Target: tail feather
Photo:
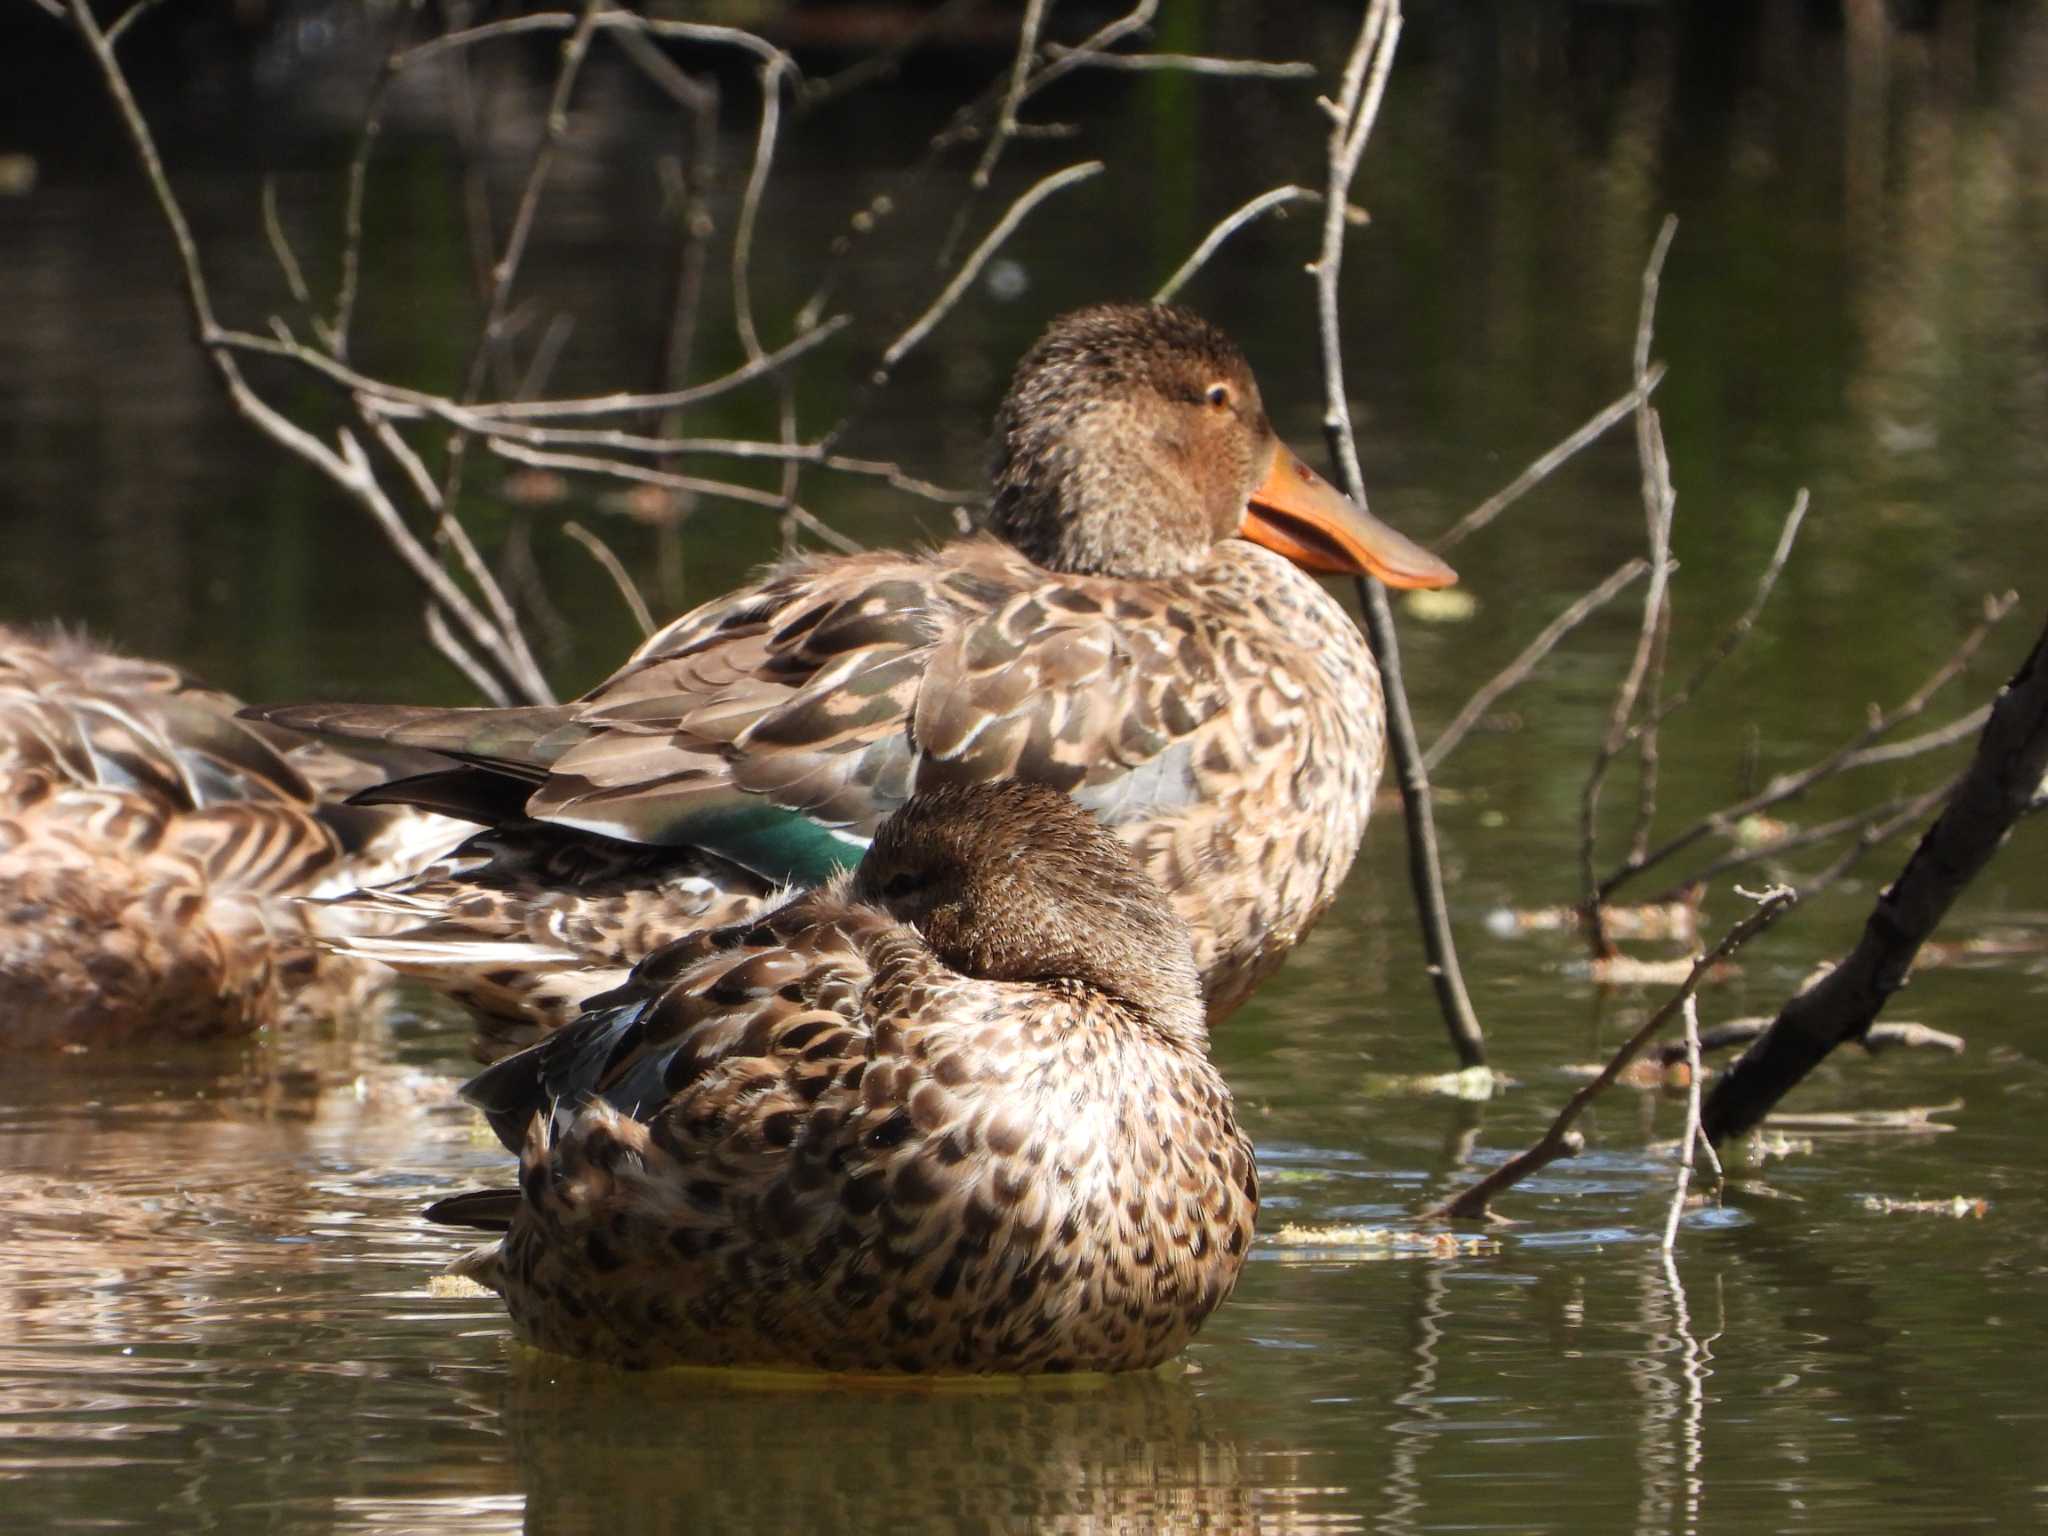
[
  {"x": 529, "y": 737},
  {"x": 487, "y": 1210}
]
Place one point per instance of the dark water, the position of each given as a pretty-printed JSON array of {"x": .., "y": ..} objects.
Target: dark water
[{"x": 214, "y": 1280}]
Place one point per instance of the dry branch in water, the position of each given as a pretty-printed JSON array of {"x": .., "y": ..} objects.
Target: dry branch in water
[
  {"x": 1998, "y": 788},
  {"x": 1352, "y": 116},
  {"x": 1854, "y": 753},
  {"x": 1561, "y": 1140}
]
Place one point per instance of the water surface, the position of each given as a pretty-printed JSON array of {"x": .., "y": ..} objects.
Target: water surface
[{"x": 215, "y": 1280}]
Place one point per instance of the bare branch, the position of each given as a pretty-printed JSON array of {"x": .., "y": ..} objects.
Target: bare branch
[
  {"x": 2002, "y": 779},
  {"x": 1869, "y": 823},
  {"x": 1515, "y": 671},
  {"x": 506, "y": 269},
  {"x": 724, "y": 489},
  {"x": 1182, "y": 63},
  {"x": 1013, "y": 97},
  {"x": 563, "y": 21},
  {"x": 362, "y": 479},
  {"x": 1659, "y": 504},
  {"x": 601, "y": 552},
  {"x": 1560, "y": 1139},
  {"x": 281, "y": 249},
  {"x": 1882, "y": 829},
  {"x": 1691, "y": 1135},
  {"x": 1739, "y": 630},
  {"x": 1879, "y": 1039},
  {"x": 925, "y": 323},
  {"x": 883, "y": 63},
  {"x": 336, "y": 335},
  {"x": 1352, "y": 117},
  {"x": 405, "y": 404},
  {"x": 1788, "y": 785},
  {"x": 1541, "y": 468},
  {"x": 442, "y": 638},
  {"x": 1915, "y": 746},
  {"x": 121, "y": 23},
  {"x": 1263, "y": 204}
]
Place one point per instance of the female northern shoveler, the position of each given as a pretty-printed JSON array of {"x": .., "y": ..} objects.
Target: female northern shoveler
[
  {"x": 1118, "y": 634},
  {"x": 952, "y": 1111},
  {"x": 152, "y": 850}
]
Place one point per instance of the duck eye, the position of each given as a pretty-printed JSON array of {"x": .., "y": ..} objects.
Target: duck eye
[
  {"x": 901, "y": 884},
  {"x": 1217, "y": 394}
]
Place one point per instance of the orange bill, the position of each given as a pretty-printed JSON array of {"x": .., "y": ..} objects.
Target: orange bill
[{"x": 1299, "y": 514}]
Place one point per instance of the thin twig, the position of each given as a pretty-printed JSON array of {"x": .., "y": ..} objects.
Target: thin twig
[
  {"x": 505, "y": 270},
  {"x": 442, "y": 638},
  {"x": 1738, "y": 631},
  {"x": 348, "y": 469},
  {"x": 1786, "y": 786},
  {"x": 1690, "y": 1012},
  {"x": 1915, "y": 746},
  {"x": 925, "y": 323},
  {"x": 1542, "y": 467},
  {"x": 1183, "y": 63},
  {"x": 1263, "y": 204},
  {"x": 1352, "y": 116},
  {"x": 287, "y": 260},
  {"x": 563, "y": 21},
  {"x": 1560, "y": 1140},
  {"x": 751, "y": 495},
  {"x": 884, "y": 62},
  {"x": 1879, "y": 1039},
  {"x": 405, "y": 404},
  {"x": 337, "y": 330},
  {"x": 1644, "y": 734},
  {"x": 2004, "y": 774},
  {"x": 1013, "y": 98},
  {"x": 771, "y": 77},
  {"x": 120, "y": 25},
  {"x": 1659, "y": 504},
  {"x": 1515, "y": 671},
  {"x": 1884, "y": 829},
  {"x": 601, "y": 552},
  {"x": 1868, "y": 823}
]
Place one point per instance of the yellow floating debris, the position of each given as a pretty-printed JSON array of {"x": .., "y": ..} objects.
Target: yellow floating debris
[
  {"x": 1957, "y": 1206},
  {"x": 1448, "y": 605},
  {"x": 1474, "y": 1084},
  {"x": 1382, "y": 1242},
  {"x": 457, "y": 1286}
]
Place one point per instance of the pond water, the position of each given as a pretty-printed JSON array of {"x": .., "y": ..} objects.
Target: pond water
[{"x": 214, "y": 1280}]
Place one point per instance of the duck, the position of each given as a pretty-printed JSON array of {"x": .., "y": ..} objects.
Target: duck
[
  {"x": 155, "y": 850},
  {"x": 951, "y": 1112},
  {"x": 1138, "y": 624}
]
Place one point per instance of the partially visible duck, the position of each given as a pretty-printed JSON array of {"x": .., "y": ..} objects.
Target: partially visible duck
[
  {"x": 1136, "y": 628},
  {"x": 153, "y": 848},
  {"x": 951, "y": 1112}
]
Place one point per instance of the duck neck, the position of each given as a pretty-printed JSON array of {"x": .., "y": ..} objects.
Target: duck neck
[{"x": 1098, "y": 494}]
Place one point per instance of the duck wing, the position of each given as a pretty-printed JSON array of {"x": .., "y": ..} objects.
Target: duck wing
[
  {"x": 837, "y": 692},
  {"x": 782, "y": 999}
]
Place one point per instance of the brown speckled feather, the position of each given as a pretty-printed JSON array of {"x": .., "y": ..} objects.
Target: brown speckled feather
[
  {"x": 151, "y": 850},
  {"x": 823, "y": 1140}
]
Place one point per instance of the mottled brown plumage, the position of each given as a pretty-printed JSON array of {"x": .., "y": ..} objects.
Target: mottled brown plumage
[
  {"x": 1118, "y": 640},
  {"x": 951, "y": 1112},
  {"x": 152, "y": 847}
]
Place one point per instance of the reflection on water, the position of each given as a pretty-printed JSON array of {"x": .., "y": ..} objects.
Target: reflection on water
[{"x": 214, "y": 1302}]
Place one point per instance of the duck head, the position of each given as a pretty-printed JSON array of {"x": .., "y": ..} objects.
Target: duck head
[
  {"x": 1011, "y": 881},
  {"x": 1133, "y": 440}
]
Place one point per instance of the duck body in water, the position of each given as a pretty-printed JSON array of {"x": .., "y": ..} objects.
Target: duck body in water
[
  {"x": 1136, "y": 628},
  {"x": 154, "y": 850},
  {"x": 951, "y": 1112}
]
